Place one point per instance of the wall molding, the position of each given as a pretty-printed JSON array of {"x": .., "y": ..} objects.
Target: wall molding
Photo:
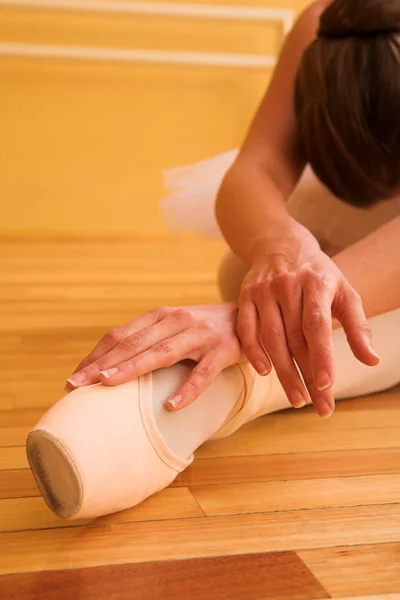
[
  {"x": 196, "y": 11},
  {"x": 165, "y": 9},
  {"x": 163, "y": 57}
]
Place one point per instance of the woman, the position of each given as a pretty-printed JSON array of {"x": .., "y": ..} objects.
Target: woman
[{"x": 333, "y": 104}]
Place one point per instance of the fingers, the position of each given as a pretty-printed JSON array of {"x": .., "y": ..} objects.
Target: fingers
[
  {"x": 349, "y": 311},
  {"x": 292, "y": 310},
  {"x": 273, "y": 337},
  {"x": 200, "y": 379},
  {"x": 113, "y": 337},
  {"x": 172, "y": 351},
  {"x": 123, "y": 343},
  {"x": 318, "y": 296},
  {"x": 248, "y": 333},
  {"x": 163, "y": 354}
]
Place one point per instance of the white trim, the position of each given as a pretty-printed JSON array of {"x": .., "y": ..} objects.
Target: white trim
[
  {"x": 166, "y": 9},
  {"x": 137, "y": 56}
]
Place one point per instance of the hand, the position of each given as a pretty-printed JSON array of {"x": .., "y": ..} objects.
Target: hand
[
  {"x": 287, "y": 302},
  {"x": 161, "y": 338}
]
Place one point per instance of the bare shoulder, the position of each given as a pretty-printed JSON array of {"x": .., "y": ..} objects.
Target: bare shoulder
[
  {"x": 319, "y": 6},
  {"x": 309, "y": 18}
]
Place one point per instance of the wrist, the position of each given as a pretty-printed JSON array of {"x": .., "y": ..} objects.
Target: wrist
[{"x": 287, "y": 238}]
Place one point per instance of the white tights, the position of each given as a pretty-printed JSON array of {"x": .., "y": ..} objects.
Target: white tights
[{"x": 184, "y": 431}]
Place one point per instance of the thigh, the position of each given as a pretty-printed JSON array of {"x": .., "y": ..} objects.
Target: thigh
[{"x": 230, "y": 277}]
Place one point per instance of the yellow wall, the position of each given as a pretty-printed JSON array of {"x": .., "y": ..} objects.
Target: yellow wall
[{"x": 83, "y": 145}]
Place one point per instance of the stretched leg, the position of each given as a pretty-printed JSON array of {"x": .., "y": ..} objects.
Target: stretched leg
[{"x": 101, "y": 449}]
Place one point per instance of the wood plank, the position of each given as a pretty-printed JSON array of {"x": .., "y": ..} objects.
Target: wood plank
[
  {"x": 275, "y": 467},
  {"x": 297, "y": 495},
  {"x": 13, "y": 457},
  {"x": 96, "y": 545},
  {"x": 18, "y": 483},
  {"x": 15, "y": 424},
  {"x": 14, "y": 436},
  {"x": 358, "y": 424},
  {"x": 356, "y": 570},
  {"x": 18, "y": 418},
  {"x": 374, "y": 597},
  {"x": 19, "y": 514},
  {"x": 6, "y": 401},
  {"x": 36, "y": 394},
  {"x": 274, "y": 576}
]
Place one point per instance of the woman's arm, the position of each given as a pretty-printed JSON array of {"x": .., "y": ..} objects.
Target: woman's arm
[
  {"x": 292, "y": 289},
  {"x": 251, "y": 205},
  {"x": 372, "y": 266}
]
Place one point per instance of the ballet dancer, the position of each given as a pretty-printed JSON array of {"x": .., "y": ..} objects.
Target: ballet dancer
[{"x": 312, "y": 279}]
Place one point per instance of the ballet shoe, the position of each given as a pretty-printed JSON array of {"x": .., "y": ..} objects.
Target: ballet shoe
[{"x": 99, "y": 451}]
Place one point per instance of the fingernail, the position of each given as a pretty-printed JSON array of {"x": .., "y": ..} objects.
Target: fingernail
[
  {"x": 323, "y": 381},
  {"x": 77, "y": 379},
  {"x": 262, "y": 369},
  {"x": 109, "y": 372},
  {"x": 375, "y": 354},
  {"x": 325, "y": 410},
  {"x": 175, "y": 401},
  {"x": 297, "y": 399}
]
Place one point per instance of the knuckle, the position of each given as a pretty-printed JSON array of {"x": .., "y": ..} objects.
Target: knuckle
[
  {"x": 365, "y": 328},
  {"x": 322, "y": 353},
  {"x": 184, "y": 314},
  {"x": 161, "y": 311},
  {"x": 296, "y": 340},
  {"x": 265, "y": 288},
  {"x": 132, "y": 342},
  {"x": 164, "y": 348},
  {"x": 128, "y": 367},
  {"x": 208, "y": 325},
  {"x": 272, "y": 337},
  {"x": 255, "y": 289},
  {"x": 247, "y": 290},
  {"x": 96, "y": 366},
  {"x": 283, "y": 282},
  {"x": 192, "y": 388},
  {"x": 314, "y": 320},
  {"x": 203, "y": 372},
  {"x": 311, "y": 274},
  {"x": 114, "y": 336}
]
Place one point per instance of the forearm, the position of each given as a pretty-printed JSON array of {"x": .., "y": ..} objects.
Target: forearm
[
  {"x": 250, "y": 209},
  {"x": 372, "y": 267}
]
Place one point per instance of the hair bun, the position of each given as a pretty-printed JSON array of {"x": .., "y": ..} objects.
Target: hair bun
[{"x": 359, "y": 18}]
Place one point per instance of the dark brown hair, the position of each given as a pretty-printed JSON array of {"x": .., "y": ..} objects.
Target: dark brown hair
[{"x": 348, "y": 100}]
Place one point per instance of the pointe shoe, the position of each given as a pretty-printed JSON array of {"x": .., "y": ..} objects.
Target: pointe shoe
[{"x": 98, "y": 451}]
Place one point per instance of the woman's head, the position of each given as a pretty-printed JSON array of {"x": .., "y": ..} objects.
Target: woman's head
[{"x": 348, "y": 100}]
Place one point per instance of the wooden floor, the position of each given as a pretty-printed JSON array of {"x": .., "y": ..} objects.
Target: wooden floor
[{"x": 290, "y": 507}]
